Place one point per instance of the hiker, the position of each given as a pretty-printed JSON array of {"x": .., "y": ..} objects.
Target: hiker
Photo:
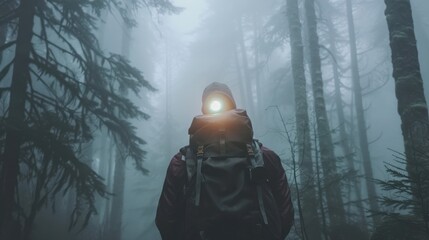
[{"x": 224, "y": 185}]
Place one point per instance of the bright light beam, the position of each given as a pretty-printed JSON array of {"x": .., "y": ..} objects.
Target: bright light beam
[{"x": 215, "y": 106}]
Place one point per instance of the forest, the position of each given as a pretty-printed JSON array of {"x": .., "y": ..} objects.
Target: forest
[{"x": 96, "y": 97}]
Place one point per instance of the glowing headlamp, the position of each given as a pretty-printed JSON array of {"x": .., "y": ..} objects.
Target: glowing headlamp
[{"x": 215, "y": 106}]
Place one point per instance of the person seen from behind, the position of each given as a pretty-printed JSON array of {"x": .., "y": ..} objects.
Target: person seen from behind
[{"x": 224, "y": 185}]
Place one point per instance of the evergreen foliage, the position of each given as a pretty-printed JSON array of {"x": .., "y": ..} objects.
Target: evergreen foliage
[
  {"x": 67, "y": 89},
  {"x": 407, "y": 203}
]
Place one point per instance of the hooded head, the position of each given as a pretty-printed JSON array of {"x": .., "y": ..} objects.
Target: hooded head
[{"x": 217, "y": 97}]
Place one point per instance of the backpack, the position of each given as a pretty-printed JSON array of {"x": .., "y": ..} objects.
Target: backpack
[{"x": 227, "y": 194}]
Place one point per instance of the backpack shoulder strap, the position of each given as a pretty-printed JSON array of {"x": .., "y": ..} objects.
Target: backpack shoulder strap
[
  {"x": 189, "y": 157},
  {"x": 257, "y": 173},
  {"x": 193, "y": 168},
  {"x": 200, "y": 155},
  {"x": 184, "y": 151}
]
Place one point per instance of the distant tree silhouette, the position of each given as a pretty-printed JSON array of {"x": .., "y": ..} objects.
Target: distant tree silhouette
[
  {"x": 327, "y": 157},
  {"x": 310, "y": 216},
  {"x": 360, "y": 114},
  {"x": 345, "y": 137}
]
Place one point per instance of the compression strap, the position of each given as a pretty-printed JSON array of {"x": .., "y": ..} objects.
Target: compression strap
[{"x": 200, "y": 154}]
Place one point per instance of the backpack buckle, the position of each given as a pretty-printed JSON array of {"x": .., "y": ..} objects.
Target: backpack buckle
[
  {"x": 200, "y": 151},
  {"x": 250, "y": 151}
]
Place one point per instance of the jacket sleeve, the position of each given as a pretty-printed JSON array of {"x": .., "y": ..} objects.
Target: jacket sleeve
[
  {"x": 280, "y": 188},
  {"x": 170, "y": 212}
]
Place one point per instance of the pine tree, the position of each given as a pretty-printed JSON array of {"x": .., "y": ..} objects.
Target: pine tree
[
  {"x": 246, "y": 69},
  {"x": 345, "y": 142},
  {"x": 310, "y": 221},
  {"x": 327, "y": 157},
  {"x": 362, "y": 129},
  {"x": 63, "y": 87},
  {"x": 412, "y": 107}
]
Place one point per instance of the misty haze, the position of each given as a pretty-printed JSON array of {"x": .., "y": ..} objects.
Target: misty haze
[{"x": 97, "y": 97}]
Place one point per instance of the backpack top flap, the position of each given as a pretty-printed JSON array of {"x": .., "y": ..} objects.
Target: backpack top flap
[{"x": 223, "y": 134}]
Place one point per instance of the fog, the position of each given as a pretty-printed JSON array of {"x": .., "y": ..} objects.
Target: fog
[
  {"x": 246, "y": 45},
  {"x": 200, "y": 44}
]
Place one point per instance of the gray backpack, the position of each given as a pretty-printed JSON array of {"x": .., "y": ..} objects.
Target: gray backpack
[{"x": 227, "y": 192}]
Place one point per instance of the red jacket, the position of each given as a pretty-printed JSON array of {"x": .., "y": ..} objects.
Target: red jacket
[{"x": 170, "y": 212}]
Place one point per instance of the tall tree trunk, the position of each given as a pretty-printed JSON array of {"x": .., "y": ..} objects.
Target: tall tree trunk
[
  {"x": 344, "y": 137},
  {"x": 109, "y": 182},
  {"x": 412, "y": 106},
  {"x": 327, "y": 157},
  {"x": 246, "y": 73},
  {"x": 104, "y": 145},
  {"x": 243, "y": 95},
  {"x": 168, "y": 103},
  {"x": 319, "y": 186},
  {"x": 116, "y": 211},
  {"x": 257, "y": 68},
  {"x": 103, "y": 168},
  {"x": 362, "y": 130},
  {"x": 311, "y": 220},
  {"x": 15, "y": 120}
]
